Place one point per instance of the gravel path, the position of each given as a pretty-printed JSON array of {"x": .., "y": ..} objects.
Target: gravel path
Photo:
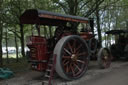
[{"x": 94, "y": 74}]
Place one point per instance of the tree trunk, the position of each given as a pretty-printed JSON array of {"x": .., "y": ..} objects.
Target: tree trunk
[
  {"x": 16, "y": 46},
  {"x": 98, "y": 27},
  {"x": 127, "y": 24},
  {"x": 22, "y": 40},
  {"x": 1, "y": 34},
  {"x": 6, "y": 40}
]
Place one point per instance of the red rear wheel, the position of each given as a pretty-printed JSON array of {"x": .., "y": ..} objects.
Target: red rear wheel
[{"x": 72, "y": 57}]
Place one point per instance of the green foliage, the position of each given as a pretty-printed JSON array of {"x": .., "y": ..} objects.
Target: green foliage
[
  {"x": 21, "y": 66},
  {"x": 113, "y": 14}
]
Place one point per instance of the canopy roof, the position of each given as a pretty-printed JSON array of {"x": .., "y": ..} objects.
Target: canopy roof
[
  {"x": 114, "y": 32},
  {"x": 33, "y": 16}
]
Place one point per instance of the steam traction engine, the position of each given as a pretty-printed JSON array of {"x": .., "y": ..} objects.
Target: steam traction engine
[
  {"x": 119, "y": 49},
  {"x": 68, "y": 50}
]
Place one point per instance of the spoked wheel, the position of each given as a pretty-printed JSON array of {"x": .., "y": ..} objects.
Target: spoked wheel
[
  {"x": 104, "y": 58},
  {"x": 72, "y": 57}
]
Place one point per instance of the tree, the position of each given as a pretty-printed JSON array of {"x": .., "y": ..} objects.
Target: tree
[
  {"x": 16, "y": 8},
  {"x": 83, "y": 8},
  {"x": 98, "y": 24},
  {"x": 6, "y": 41},
  {"x": 1, "y": 30},
  {"x": 1, "y": 33}
]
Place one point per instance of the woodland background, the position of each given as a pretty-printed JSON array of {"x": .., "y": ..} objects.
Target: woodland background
[{"x": 107, "y": 14}]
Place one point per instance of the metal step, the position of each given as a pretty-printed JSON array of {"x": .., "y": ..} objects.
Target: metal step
[
  {"x": 51, "y": 59},
  {"x": 37, "y": 61},
  {"x": 48, "y": 73},
  {"x": 50, "y": 64},
  {"x": 45, "y": 83},
  {"x": 49, "y": 70},
  {"x": 48, "y": 76}
]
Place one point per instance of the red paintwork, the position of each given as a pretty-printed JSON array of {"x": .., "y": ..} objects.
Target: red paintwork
[{"x": 38, "y": 51}]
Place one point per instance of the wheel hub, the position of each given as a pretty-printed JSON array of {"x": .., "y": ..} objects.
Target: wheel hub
[
  {"x": 74, "y": 57},
  {"x": 105, "y": 57}
]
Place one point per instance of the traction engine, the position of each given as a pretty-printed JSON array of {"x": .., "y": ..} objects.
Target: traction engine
[{"x": 68, "y": 51}]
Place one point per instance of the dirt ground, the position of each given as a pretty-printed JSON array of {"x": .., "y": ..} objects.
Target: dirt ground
[
  {"x": 118, "y": 76},
  {"x": 114, "y": 75}
]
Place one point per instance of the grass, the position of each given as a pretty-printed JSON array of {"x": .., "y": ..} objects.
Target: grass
[{"x": 21, "y": 66}]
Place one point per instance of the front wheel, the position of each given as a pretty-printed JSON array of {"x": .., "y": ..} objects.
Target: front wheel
[
  {"x": 104, "y": 58},
  {"x": 72, "y": 57}
]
